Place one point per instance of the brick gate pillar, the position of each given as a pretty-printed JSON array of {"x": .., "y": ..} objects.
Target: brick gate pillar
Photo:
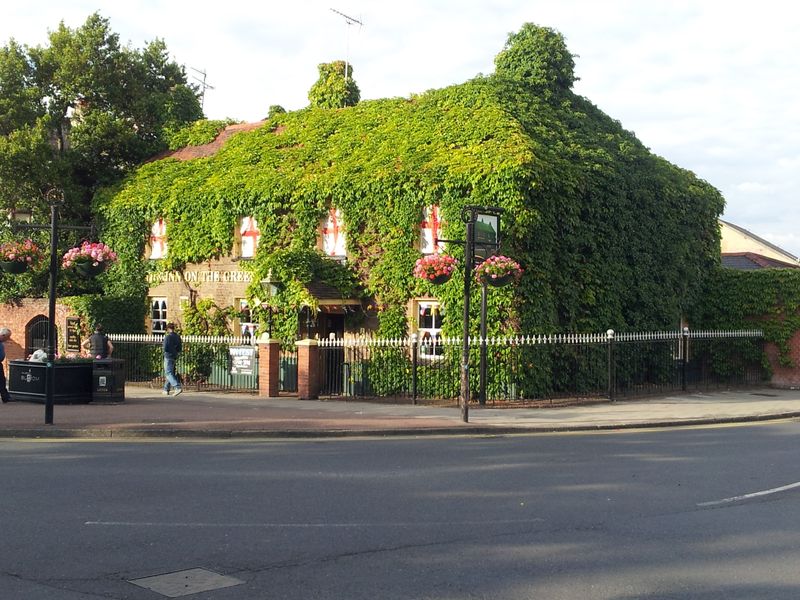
[
  {"x": 269, "y": 357},
  {"x": 307, "y": 369}
]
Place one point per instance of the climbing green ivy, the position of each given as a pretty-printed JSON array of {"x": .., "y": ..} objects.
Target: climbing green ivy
[
  {"x": 609, "y": 235},
  {"x": 767, "y": 299}
]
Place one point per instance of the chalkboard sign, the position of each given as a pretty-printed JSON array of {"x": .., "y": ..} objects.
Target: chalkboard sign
[
  {"x": 242, "y": 360},
  {"x": 73, "y": 334}
]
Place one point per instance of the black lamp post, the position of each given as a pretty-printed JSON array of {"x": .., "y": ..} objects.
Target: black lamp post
[
  {"x": 482, "y": 239},
  {"x": 55, "y": 198},
  {"x": 271, "y": 288}
]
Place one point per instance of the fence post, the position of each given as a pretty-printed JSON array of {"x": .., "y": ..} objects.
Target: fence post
[
  {"x": 308, "y": 371},
  {"x": 611, "y": 378},
  {"x": 685, "y": 356},
  {"x": 269, "y": 354},
  {"x": 414, "y": 357}
]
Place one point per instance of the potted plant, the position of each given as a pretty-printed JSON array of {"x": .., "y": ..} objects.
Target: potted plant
[
  {"x": 436, "y": 268},
  {"x": 89, "y": 259},
  {"x": 17, "y": 257},
  {"x": 498, "y": 270}
]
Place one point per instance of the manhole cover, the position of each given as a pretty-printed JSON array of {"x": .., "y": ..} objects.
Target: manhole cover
[{"x": 183, "y": 583}]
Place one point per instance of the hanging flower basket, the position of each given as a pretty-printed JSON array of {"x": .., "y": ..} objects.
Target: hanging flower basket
[
  {"x": 90, "y": 269},
  {"x": 498, "y": 271},
  {"x": 18, "y": 257},
  {"x": 436, "y": 268},
  {"x": 89, "y": 259}
]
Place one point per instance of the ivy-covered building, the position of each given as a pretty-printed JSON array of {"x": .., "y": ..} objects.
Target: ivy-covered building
[{"x": 338, "y": 204}]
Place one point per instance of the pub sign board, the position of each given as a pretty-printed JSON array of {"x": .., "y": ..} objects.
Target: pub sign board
[
  {"x": 242, "y": 360},
  {"x": 73, "y": 334}
]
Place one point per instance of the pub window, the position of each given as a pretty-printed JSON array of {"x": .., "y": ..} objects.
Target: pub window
[
  {"x": 249, "y": 235},
  {"x": 247, "y": 324},
  {"x": 158, "y": 240},
  {"x": 334, "y": 242},
  {"x": 430, "y": 230},
  {"x": 429, "y": 328},
  {"x": 158, "y": 315}
]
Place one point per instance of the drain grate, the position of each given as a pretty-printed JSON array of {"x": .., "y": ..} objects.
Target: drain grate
[
  {"x": 763, "y": 394},
  {"x": 183, "y": 583}
]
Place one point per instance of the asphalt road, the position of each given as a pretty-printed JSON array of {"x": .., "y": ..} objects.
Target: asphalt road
[{"x": 692, "y": 513}]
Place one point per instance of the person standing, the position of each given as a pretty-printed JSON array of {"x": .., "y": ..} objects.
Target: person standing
[
  {"x": 98, "y": 344},
  {"x": 172, "y": 346},
  {"x": 5, "y": 334}
]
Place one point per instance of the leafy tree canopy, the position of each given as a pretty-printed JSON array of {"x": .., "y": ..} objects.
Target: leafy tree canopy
[
  {"x": 538, "y": 57},
  {"x": 334, "y": 88},
  {"x": 81, "y": 111}
]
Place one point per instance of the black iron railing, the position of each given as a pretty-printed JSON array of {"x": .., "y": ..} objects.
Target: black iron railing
[
  {"x": 543, "y": 367},
  {"x": 206, "y": 363}
]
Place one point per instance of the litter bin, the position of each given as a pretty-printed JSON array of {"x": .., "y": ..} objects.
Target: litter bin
[{"x": 108, "y": 380}]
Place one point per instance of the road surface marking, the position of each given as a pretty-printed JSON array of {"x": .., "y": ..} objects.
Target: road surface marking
[
  {"x": 310, "y": 525},
  {"x": 783, "y": 488}
]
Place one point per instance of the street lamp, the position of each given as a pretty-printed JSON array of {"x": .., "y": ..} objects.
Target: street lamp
[
  {"x": 271, "y": 287},
  {"x": 55, "y": 198},
  {"x": 482, "y": 239}
]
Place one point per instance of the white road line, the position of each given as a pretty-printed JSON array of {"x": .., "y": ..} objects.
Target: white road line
[
  {"x": 308, "y": 525},
  {"x": 783, "y": 488}
]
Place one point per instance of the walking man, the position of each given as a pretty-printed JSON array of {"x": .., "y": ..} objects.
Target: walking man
[
  {"x": 172, "y": 348},
  {"x": 5, "y": 334}
]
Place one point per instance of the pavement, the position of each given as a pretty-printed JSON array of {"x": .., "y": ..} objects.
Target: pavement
[{"x": 146, "y": 413}]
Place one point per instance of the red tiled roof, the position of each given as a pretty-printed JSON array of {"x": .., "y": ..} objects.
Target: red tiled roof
[
  {"x": 750, "y": 260},
  {"x": 190, "y": 152}
]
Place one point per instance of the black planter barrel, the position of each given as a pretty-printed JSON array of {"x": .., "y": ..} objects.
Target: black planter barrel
[{"x": 73, "y": 382}]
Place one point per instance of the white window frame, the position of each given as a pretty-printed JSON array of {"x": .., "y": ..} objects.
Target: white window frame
[
  {"x": 432, "y": 331},
  {"x": 246, "y": 328},
  {"x": 159, "y": 314}
]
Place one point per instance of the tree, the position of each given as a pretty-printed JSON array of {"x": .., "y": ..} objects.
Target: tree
[
  {"x": 275, "y": 109},
  {"x": 80, "y": 112},
  {"x": 334, "y": 88},
  {"x": 539, "y": 57}
]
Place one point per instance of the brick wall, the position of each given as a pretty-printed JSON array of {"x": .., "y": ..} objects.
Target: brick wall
[
  {"x": 785, "y": 377},
  {"x": 17, "y": 317}
]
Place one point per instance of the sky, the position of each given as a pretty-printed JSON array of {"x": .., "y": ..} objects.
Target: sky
[{"x": 712, "y": 86}]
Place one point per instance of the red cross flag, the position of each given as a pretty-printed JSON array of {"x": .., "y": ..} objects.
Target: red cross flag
[
  {"x": 250, "y": 236},
  {"x": 333, "y": 236},
  {"x": 429, "y": 230},
  {"x": 158, "y": 239}
]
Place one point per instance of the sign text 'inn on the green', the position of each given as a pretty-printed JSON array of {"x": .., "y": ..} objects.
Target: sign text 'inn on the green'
[{"x": 197, "y": 276}]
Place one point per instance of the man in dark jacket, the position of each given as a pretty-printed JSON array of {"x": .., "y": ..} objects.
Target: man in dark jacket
[
  {"x": 98, "y": 344},
  {"x": 172, "y": 346}
]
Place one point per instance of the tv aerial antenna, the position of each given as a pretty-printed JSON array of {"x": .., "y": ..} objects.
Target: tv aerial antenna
[
  {"x": 350, "y": 21},
  {"x": 203, "y": 85}
]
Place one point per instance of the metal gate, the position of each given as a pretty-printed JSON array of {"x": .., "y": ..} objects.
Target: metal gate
[{"x": 37, "y": 334}]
